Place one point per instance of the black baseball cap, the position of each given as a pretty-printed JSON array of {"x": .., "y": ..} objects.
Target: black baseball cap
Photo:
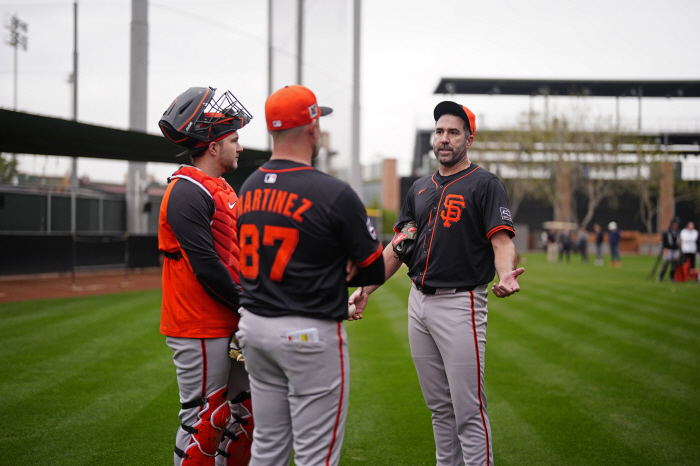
[{"x": 448, "y": 107}]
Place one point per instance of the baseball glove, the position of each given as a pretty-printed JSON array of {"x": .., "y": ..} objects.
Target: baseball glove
[
  {"x": 234, "y": 349},
  {"x": 403, "y": 242}
]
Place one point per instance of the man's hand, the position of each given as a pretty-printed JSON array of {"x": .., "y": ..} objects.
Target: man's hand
[
  {"x": 359, "y": 298},
  {"x": 508, "y": 284}
]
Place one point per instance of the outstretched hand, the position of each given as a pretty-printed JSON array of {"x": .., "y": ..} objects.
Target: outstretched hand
[
  {"x": 508, "y": 284},
  {"x": 359, "y": 298}
]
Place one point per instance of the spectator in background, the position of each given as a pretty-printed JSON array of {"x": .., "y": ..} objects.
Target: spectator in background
[
  {"x": 565, "y": 245},
  {"x": 551, "y": 247},
  {"x": 671, "y": 249},
  {"x": 697, "y": 248},
  {"x": 582, "y": 243},
  {"x": 689, "y": 244},
  {"x": 598, "y": 245},
  {"x": 614, "y": 240}
]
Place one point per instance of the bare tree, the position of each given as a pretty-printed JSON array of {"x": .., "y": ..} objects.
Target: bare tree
[{"x": 8, "y": 168}]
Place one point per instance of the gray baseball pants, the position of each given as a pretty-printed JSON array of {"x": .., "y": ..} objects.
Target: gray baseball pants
[
  {"x": 203, "y": 366},
  {"x": 299, "y": 389},
  {"x": 447, "y": 334}
]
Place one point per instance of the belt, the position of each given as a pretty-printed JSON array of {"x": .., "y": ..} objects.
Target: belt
[
  {"x": 173, "y": 255},
  {"x": 431, "y": 289}
]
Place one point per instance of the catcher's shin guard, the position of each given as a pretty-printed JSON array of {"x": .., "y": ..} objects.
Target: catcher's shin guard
[
  {"x": 207, "y": 431},
  {"x": 235, "y": 447}
]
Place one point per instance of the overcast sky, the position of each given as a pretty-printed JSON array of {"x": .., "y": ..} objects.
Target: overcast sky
[{"x": 407, "y": 46}]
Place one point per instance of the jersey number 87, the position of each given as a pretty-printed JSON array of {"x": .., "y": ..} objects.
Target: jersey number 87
[{"x": 250, "y": 244}]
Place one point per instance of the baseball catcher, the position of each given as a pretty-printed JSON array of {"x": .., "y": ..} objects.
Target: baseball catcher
[{"x": 201, "y": 287}]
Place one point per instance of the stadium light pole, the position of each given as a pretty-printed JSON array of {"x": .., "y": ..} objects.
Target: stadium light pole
[
  {"x": 17, "y": 40},
  {"x": 74, "y": 161},
  {"x": 355, "y": 169},
  {"x": 74, "y": 82}
]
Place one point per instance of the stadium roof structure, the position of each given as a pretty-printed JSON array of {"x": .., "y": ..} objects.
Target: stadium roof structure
[
  {"x": 25, "y": 133},
  {"x": 564, "y": 87}
]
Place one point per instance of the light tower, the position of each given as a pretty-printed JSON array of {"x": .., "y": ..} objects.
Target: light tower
[{"x": 17, "y": 40}]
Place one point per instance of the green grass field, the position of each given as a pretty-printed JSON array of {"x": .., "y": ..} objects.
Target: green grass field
[{"x": 586, "y": 366}]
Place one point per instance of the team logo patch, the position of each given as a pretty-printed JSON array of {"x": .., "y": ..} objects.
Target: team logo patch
[
  {"x": 454, "y": 203},
  {"x": 371, "y": 230},
  {"x": 313, "y": 111},
  {"x": 505, "y": 214},
  {"x": 270, "y": 177},
  {"x": 276, "y": 123}
]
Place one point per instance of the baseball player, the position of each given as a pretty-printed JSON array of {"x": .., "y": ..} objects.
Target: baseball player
[
  {"x": 305, "y": 237},
  {"x": 198, "y": 237},
  {"x": 454, "y": 233}
]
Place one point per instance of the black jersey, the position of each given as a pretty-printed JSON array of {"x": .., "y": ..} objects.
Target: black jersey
[
  {"x": 297, "y": 227},
  {"x": 456, "y": 216}
]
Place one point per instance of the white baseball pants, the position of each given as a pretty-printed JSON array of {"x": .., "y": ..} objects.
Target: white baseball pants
[
  {"x": 299, "y": 389},
  {"x": 447, "y": 334},
  {"x": 203, "y": 366}
]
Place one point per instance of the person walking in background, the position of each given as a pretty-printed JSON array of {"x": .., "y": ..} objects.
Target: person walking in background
[
  {"x": 599, "y": 235},
  {"x": 551, "y": 247},
  {"x": 697, "y": 249},
  {"x": 565, "y": 245},
  {"x": 582, "y": 243},
  {"x": 689, "y": 245},
  {"x": 670, "y": 243},
  {"x": 614, "y": 241},
  {"x": 201, "y": 292}
]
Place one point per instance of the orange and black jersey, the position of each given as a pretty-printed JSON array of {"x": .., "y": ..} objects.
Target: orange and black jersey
[
  {"x": 297, "y": 227},
  {"x": 189, "y": 215},
  {"x": 456, "y": 216}
]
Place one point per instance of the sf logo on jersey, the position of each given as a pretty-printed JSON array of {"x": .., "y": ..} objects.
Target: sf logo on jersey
[{"x": 454, "y": 203}]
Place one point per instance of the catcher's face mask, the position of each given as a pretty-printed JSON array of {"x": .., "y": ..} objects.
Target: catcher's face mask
[{"x": 194, "y": 119}]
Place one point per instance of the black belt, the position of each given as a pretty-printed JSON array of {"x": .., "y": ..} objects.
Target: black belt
[
  {"x": 173, "y": 255},
  {"x": 431, "y": 289}
]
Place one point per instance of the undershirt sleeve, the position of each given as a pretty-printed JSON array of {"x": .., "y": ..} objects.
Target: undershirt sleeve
[{"x": 190, "y": 209}]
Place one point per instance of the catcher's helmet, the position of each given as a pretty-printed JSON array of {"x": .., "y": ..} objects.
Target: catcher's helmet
[{"x": 194, "y": 119}]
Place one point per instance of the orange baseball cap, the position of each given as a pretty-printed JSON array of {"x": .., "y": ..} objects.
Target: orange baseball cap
[
  {"x": 453, "y": 108},
  {"x": 292, "y": 106}
]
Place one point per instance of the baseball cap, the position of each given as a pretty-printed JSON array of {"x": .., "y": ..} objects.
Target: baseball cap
[
  {"x": 453, "y": 108},
  {"x": 292, "y": 106}
]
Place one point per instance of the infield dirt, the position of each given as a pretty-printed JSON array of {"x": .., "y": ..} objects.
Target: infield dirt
[{"x": 42, "y": 286}]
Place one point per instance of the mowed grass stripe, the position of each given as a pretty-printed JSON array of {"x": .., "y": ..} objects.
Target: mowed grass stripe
[
  {"x": 113, "y": 376},
  {"x": 75, "y": 318},
  {"x": 564, "y": 389},
  {"x": 651, "y": 303},
  {"x": 593, "y": 369},
  {"x": 677, "y": 342},
  {"x": 388, "y": 422},
  {"x": 63, "y": 355},
  {"x": 620, "y": 328},
  {"x": 515, "y": 440}
]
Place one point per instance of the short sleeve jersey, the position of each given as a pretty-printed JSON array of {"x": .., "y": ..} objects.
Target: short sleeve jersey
[
  {"x": 456, "y": 216},
  {"x": 297, "y": 228}
]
